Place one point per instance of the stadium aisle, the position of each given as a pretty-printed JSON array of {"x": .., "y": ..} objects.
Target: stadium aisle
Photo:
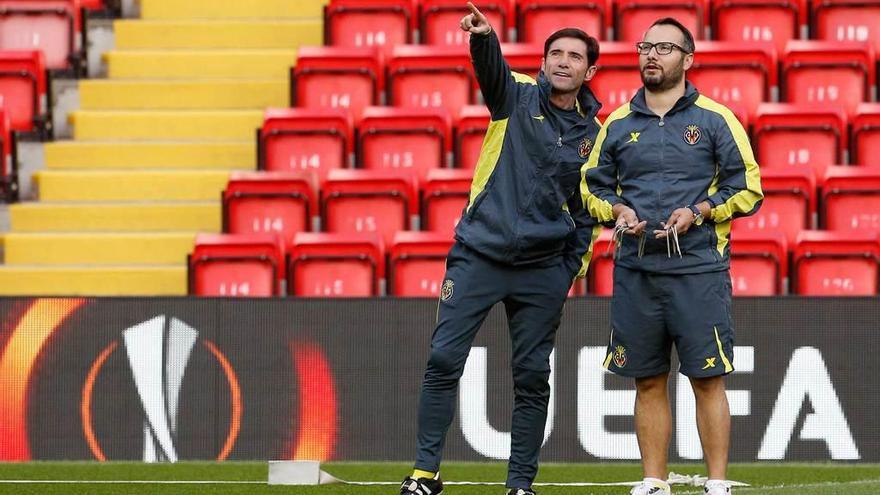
[{"x": 153, "y": 146}]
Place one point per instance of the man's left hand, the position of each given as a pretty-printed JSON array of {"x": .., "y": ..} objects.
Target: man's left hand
[{"x": 681, "y": 218}]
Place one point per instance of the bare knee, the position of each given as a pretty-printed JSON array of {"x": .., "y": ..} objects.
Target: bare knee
[
  {"x": 652, "y": 386},
  {"x": 708, "y": 387}
]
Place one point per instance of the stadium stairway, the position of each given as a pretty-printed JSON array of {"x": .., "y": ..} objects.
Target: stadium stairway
[{"x": 153, "y": 145}]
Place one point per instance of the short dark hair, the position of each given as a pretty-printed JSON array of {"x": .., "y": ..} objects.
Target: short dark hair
[
  {"x": 592, "y": 43},
  {"x": 685, "y": 33}
]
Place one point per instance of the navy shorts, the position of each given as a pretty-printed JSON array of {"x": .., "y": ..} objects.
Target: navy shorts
[{"x": 651, "y": 311}]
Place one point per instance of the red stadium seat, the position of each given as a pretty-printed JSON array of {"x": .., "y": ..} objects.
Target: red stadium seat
[
  {"x": 789, "y": 204},
  {"x": 827, "y": 72},
  {"x": 414, "y": 140},
  {"x": 281, "y": 203},
  {"x": 470, "y": 130},
  {"x": 865, "y": 142},
  {"x": 444, "y": 196},
  {"x": 431, "y": 76},
  {"x": 311, "y": 140},
  {"x": 836, "y": 263},
  {"x": 538, "y": 19},
  {"x": 774, "y": 21},
  {"x": 758, "y": 263},
  {"x": 439, "y": 20},
  {"x": 851, "y": 199},
  {"x": 329, "y": 77},
  {"x": 364, "y": 23},
  {"x": 847, "y": 20},
  {"x": 617, "y": 79},
  {"x": 335, "y": 265},
  {"x": 372, "y": 201},
  {"x": 601, "y": 272},
  {"x": 236, "y": 265},
  {"x": 811, "y": 135},
  {"x": 417, "y": 263},
  {"x": 735, "y": 73},
  {"x": 634, "y": 17},
  {"x": 23, "y": 89},
  {"x": 50, "y": 26},
  {"x": 523, "y": 57}
]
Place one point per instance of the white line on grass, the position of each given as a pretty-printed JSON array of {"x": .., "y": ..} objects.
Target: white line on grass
[
  {"x": 130, "y": 482},
  {"x": 797, "y": 486}
]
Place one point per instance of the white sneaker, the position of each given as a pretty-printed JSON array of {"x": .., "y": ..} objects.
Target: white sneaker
[
  {"x": 651, "y": 488},
  {"x": 716, "y": 488}
]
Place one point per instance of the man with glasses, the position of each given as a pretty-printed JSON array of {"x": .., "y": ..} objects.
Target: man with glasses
[
  {"x": 522, "y": 238},
  {"x": 669, "y": 171}
]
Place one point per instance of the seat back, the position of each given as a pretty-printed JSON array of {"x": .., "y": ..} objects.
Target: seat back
[
  {"x": 305, "y": 140},
  {"x": 634, "y": 17},
  {"x": 417, "y": 263},
  {"x": 758, "y": 263},
  {"x": 414, "y": 140},
  {"x": 439, "y": 20},
  {"x": 280, "y": 203},
  {"x": 335, "y": 265},
  {"x": 23, "y": 88},
  {"x": 851, "y": 199},
  {"x": 431, "y": 76},
  {"x": 769, "y": 21},
  {"x": 444, "y": 197},
  {"x": 734, "y": 73},
  {"x": 819, "y": 72},
  {"x": 617, "y": 79},
  {"x": 470, "y": 130},
  {"x": 807, "y": 135},
  {"x": 50, "y": 26},
  {"x": 524, "y": 58},
  {"x": 836, "y": 263},
  {"x": 331, "y": 77},
  {"x": 243, "y": 265},
  {"x": 789, "y": 205},
  {"x": 538, "y": 19},
  {"x": 865, "y": 142},
  {"x": 847, "y": 20},
  {"x": 368, "y": 201},
  {"x": 365, "y": 23}
]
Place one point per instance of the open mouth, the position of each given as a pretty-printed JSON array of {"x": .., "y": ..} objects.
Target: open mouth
[{"x": 562, "y": 74}]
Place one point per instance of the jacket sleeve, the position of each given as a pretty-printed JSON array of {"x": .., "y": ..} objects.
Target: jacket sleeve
[
  {"x": 493, "y": 74},
  {"x": 737, "y": 190},
  {"x": 579, "y": 248},
  {"x": 599, "y": 179}
]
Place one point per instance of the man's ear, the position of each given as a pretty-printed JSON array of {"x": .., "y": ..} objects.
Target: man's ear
[
  {"x": 591, "y": 72},
  {"x": 688, "y": 61}
]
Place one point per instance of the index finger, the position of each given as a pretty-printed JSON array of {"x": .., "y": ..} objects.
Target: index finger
[{"x": 474, "y": 10}]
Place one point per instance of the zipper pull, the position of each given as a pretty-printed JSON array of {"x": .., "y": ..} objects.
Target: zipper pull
[
  {"x": 559, "y": 142},
  {"x": 661, "y": 124}
]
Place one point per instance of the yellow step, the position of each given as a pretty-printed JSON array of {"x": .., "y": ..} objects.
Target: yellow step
[
  {"x": 200, "y": 216},
  {"x": 226, "y": 94},
  {"x": 155, "y": 248},
  {"x": 116, "y": 185},
  {"x": 230, "y": 9},
  {"x": 163, "y": 280},
  {"x": 221, "y": 125},
  {"x": 289, "y": 34},
  {"x": 127, "y": 155},
  {"x": 201, "y": 64}
]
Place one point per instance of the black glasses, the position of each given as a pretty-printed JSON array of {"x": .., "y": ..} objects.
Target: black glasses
[{"x": 662, "y": 48}]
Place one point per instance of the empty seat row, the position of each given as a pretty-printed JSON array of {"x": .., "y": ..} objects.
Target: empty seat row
[
  {"x": 355, "y": 265},
  {"x": 385, "y": 203},
  {"x": 817, "y": 263},
  {"x": 742, "y": 75},
  {"x": 387, "y": 23},
  {"x": 349, "y": 201},
  {"x": 318, "y": 265},
  {"x": 419, "y": 140}
]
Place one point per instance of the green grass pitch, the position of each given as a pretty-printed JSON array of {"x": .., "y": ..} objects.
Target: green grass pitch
[{"x": 771, "y": 479}]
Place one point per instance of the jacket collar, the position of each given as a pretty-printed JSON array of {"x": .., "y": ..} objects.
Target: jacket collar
[
  {"x": 586, "y": 102},
  {"x": 639, "y": 104}
]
